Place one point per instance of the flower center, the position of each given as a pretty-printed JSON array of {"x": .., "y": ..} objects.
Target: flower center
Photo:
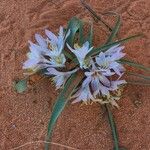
[
  {"x": 105, "y": 65},
  {"x": 51, "y": 46},
  {"x": 77, "y": 46},
  {"x": 95, "y": 74},
  {"x": 58, "y": 60},
  {"x": 87, "y": 62}
]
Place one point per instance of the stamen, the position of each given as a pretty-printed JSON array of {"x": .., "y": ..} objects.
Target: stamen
[
  {"x": 76, "y": 46},
  {"x": 58, "y": 60}
]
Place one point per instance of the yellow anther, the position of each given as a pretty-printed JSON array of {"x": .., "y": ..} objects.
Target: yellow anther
[
  {"x": 58, "y": 60},
  {"x": 76, "y": 46},
  {"x": 51, "y": 46}
]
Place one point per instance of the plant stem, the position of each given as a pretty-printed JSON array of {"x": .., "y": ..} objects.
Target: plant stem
[{"x": 113, "y": 127}]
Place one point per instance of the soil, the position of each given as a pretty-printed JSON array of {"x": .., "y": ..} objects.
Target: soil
[{"x": 24, "y": 117}]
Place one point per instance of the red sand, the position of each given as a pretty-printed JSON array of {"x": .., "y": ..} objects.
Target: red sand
[{"x": 24, "y": 117}]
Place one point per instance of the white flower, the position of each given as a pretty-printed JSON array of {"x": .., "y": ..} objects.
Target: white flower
[
  {"x": 81, "y": 53},
  {"x": 83, "y": 94},
  {"x": 48, "y": 52},
  {"x": 107, "y": 61},
  {"x": 56, "y": 45},
  {"x": 59, "y": 78},
  {"x": 36, "y": 59},
  {"x": 96, "y": 85}
]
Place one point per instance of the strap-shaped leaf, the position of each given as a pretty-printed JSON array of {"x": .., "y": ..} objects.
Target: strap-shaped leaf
[
  {"x": 74, "y": 25},
  {"x": 116, "y": 27},
  {"x": 103, "y": 48},
  {"x": 113, "y": 127},
  {"x": 139, "y": 75},
  {"x": 138, "y": 82},
  {"x": 68, "y": 55},
  {"x": 61, "y": 102},
  {"x": 133, "y": 64},
  {"x": 90, "y": 35},
  {"x": 81, "y": 36}
]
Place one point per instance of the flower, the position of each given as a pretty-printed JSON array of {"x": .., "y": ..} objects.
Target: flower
[
  {"x": 47, "y": 52},
  {"x": 80, "y": 53},
  {"x": 36, "y": 59},
  {"x": 100, "y": 84},
  {"x": 56, "y": 45},
  {"x": 83, "y": 94},
  {"x": 59, "y": 78},
  {"x": 107, "y": 61},
  {"x": 96, "y": 85}
]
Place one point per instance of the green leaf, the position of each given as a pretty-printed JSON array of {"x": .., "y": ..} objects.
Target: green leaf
[
  {"x": 20, "y": 86},
  {"x": 81, "y": 36},
  {"x": 113, "y": 127},
  {"x": 74, "y": 25},
  {"x": 74, "y": 59},
  {"x": 90, "y": 35},
  {"x": 68, "y": 55},
  {"x": 138, "y": 82},
  {"x": 139, "y": 75},
  {"x": 103, "y": 48},
  {"x": 60, "y": 104},
  {"x": 115, "y": 29},
  {"x": 133, "y": 64}
]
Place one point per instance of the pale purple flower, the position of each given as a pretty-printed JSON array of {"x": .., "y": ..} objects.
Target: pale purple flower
[
  {"x": 83, "y": 94},
  {"x": 59, "y": 77},
  {"x": 96, "y": 85},
  {"x": 80, "y": 53},
  {"x": 56, "y": 44},
  {"x": 36, "y": 59},
  {"x": 47, "y": 52},
  {"x": 107, "y": 61}
]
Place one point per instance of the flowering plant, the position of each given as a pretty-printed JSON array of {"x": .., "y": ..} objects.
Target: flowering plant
[{"x": 81, "y": 71}]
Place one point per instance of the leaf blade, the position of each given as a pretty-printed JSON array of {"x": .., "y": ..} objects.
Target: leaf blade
[
  {"x": 131, "y": 63},
  {"x": 103, "y": 48},
  {"x": 74, "y": 25},
  {"x": 115, "y": 29},
  {"x": 139, "y": 75},
  {"x": 60, "y": 104},
  {"x": 113, "y": 127},
  {"x": 90, "y": 35},
  {"x": 138, "y": 83}
]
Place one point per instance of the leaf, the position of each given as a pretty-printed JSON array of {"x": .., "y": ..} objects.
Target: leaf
[
  {"x": 138, "y": 82},
  {"x": 90, "y": 35},
  {"x": 113, "y": 127},
  {"x": 81, "y": 36},
  {"x": 115, "y": 29},
  {"x": 74, "y": 25},
  {"x": 133, "y": 64},
  {"x": 74, "y": 59},
  {"x": 68, "y": 55},
  {"x": 103, "y": 48},
  {"x": 20, "y": 86},
  {"x": 60, "y": 104},
  {"x": 139, "y": 75}
]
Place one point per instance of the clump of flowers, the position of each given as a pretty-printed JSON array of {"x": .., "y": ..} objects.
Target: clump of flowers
[
  {"x": 98, "y": 71},
  {"x": 61, "y": 57}
]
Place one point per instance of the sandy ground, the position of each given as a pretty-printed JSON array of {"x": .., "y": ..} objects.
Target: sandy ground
[{"x": 24, "y": 117}]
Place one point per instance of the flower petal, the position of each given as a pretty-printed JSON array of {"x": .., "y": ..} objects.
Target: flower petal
[
  {"x": 41, "y": 41},
  {"x": 51, "y": 36}
]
